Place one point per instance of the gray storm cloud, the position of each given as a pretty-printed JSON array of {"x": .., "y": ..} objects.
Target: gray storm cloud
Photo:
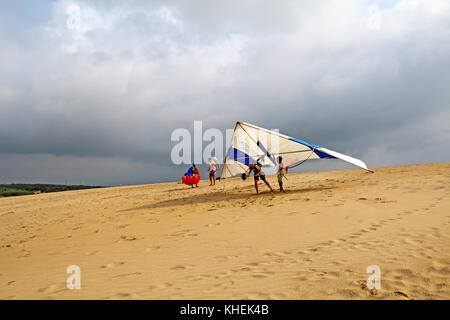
[{"x": 94, "y": 98}]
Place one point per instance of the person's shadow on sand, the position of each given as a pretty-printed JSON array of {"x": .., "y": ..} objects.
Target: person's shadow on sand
[{"x": 218, "y": 196}]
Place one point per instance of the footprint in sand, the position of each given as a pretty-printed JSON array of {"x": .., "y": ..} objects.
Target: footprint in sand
[
  {"x": 200, "y": 277},
  {"x": 256, "y": 296},
  {"x": 150, "y": 249},
  {"x": 261, "y": 273},
  {"x": 180, "y": 267},
  {"x": 164, "y": 285},
  {"x": 225, "y": 257},
  {"x": 123, "y": 296},
  {"x": 253, "y": 264},
  {"x": 404, "y": 272},
  {"x": 128, "y": 238},
  {"x": 442, "y": 271},
  {"x": 401, "y": 293},
  {"x": 24, "y": 254},
  {"x": 125, "y": 275},
  {"x": 348, "y": 293},
  {"x": 363, "y": 285},
  {"x": 54, "y": 288},
  {"x": 112, "y": 265},
  {"x": 224, "y": 285}
]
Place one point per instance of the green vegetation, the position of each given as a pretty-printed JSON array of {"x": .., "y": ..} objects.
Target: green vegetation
[
  {"x": 8, "y": 192},
  {"x": 20, "y": 189}
]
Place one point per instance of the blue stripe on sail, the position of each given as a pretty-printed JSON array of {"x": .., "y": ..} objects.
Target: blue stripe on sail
[
  {"x": 239, "y": 156},
  {"x": 260, "y": 145},
  {"x": 305, "y": 143},
  {"x": 312, "y": 146},
  {"x": 323, "y": 154}
]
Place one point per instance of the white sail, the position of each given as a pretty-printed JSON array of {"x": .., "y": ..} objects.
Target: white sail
[{"x": 251, "y": 144}]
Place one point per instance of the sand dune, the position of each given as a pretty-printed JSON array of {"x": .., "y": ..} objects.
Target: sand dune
[{"x": 167, "y": 241}]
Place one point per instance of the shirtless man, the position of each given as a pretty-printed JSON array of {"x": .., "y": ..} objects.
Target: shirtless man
[{"x": 257, "y": 172}]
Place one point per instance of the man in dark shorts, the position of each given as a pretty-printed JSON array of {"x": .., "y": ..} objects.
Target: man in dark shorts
[{"x": 257, "y": 173}]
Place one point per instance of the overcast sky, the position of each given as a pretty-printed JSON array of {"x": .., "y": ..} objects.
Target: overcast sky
[{"x": 94, "y": 100}]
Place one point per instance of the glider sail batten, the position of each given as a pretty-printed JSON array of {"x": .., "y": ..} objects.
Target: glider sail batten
[{"x": 250, "y": 144}]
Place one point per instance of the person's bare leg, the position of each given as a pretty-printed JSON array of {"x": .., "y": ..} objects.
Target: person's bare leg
[
  {"x": 210, "y": 180},
  {"x": 214, "y": 180},
  {"x": 256, "y": 186},
  {"x": 268, "y": 185},
  {"x": 281, "y": 186}
]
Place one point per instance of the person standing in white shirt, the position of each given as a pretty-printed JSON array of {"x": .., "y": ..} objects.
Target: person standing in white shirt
[{"x": 212, "y": 172}]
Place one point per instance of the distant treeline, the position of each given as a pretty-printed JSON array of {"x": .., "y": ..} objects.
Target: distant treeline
[
  {"x": 19, "y": 189},
  {"x": 8, "y": 192}
]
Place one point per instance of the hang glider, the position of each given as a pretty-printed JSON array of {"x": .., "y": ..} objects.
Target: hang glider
[{"x": 252, "y": 144}]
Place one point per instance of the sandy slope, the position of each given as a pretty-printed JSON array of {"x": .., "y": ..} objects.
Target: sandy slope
[{"x": 167, "y": 241}]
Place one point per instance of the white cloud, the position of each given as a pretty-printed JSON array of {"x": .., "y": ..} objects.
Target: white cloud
[{"x": 118, "y": 83}]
